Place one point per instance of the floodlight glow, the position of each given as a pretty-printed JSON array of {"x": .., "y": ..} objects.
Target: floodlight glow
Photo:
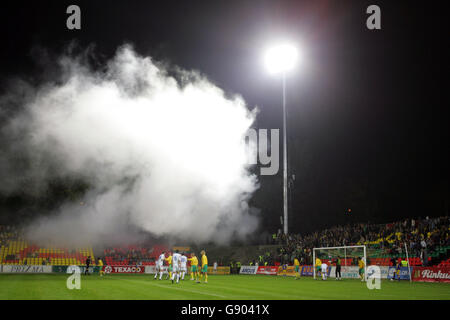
[{"x": 281, "y": 58}]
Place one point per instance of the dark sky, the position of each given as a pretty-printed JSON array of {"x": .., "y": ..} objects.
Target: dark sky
[{"x": 367, "y": 120}]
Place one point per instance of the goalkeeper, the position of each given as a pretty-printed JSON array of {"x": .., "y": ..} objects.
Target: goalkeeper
[{"x": 338, "y": 268}]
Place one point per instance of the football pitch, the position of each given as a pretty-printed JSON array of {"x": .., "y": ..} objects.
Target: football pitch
[{"x": 219, "y": 287}]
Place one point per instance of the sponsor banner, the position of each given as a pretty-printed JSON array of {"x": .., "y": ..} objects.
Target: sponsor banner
[
  {"x": 269, "y": 270},
  {"x": 308, "y": 271},
  {"x": 182, "y": 249},
  {"x": 350, "y": 272},
  {"x": 26, "y": 269},
  {"x": 385, "y": 271},
  {"x": 124, "y": 269},
  {"x": 221, "y": 270},
  {"x": 152, "y": 269},
  {"x": 346, "y": 272},
  {"x": 63, "y": 269},
  {"x": 404, "y": 273},
  {"x": 288, "y": 271},
  {"x": 248, "y": 270},
  {"x": 431, "y": 274},
  {"x": 332, "y": 271}
]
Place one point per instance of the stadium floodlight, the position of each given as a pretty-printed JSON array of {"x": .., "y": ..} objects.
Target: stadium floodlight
[{"x": 281, "y": 59}]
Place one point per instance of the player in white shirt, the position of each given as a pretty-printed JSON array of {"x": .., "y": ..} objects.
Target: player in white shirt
[
  {"x": 183, "y": 267},
  {"x": 159, "y": 265},
  {"x": 324, "y": 271},
  {"x": 176, "y": 259}
]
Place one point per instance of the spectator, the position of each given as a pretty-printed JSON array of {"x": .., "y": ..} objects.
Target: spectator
[{"x": 423, "y": 236}]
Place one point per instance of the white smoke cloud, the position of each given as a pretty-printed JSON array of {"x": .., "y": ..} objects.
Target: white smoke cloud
[{"x": 162, "y": 153}]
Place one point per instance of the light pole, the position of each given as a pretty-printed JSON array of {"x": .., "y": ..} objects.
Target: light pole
[
  {"x": 285, "y": 187},
  {"x": 281, "y": 59}
]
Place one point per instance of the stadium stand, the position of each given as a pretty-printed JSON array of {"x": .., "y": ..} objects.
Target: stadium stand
[
  {"x": 132, "y": 255},
  {"x": 17, "y": 251},
  {"x": 427, "y": 240},
  {"x": 445, "y": 263},
  {"x": 224, "y": 255}
]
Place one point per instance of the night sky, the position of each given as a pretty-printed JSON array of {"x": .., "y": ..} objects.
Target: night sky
[{"x": 367, "y": 122}]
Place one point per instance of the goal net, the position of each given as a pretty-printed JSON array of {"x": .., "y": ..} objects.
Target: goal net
[{"x": 348, "y": 256}]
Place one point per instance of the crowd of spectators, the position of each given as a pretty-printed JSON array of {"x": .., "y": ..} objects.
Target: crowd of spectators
[
  {"x": 8, "y": 233},
  {"x": 264, "y": 258},
  {"x": 133, "y": 255},
  {"x": 421, "y": 235}
]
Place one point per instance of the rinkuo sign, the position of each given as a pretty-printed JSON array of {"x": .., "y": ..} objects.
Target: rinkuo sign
[{"x": 431, "y": 274}]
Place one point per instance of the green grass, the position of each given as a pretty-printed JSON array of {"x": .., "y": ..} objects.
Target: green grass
[{"x": 231, "y": 287}]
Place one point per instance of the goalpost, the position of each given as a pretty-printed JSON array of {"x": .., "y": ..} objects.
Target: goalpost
[{"x": 330, "y": 253}]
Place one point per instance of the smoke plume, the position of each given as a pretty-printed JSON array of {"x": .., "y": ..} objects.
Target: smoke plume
[{"x": 162, "y": 150}]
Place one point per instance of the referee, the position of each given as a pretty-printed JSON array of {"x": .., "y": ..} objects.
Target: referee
[
  {"x": 88, "y": 262},
  {"x": 338, "y": 268}
]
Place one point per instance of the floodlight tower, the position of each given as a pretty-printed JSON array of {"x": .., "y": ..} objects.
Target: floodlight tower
[{"x": 281, "y": 59}]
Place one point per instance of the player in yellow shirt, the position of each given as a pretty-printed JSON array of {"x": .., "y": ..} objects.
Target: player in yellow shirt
[
  {"x": 296, "y": 268},
  {"x": 204, "y": 270},
  {"x": 318, "y": 266},
  {"x": 169, "y": 269},
  {"x": 100, "y": 265},
  {"x": 194, "y": 266},
  {"x": 361, "y": 268}
]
